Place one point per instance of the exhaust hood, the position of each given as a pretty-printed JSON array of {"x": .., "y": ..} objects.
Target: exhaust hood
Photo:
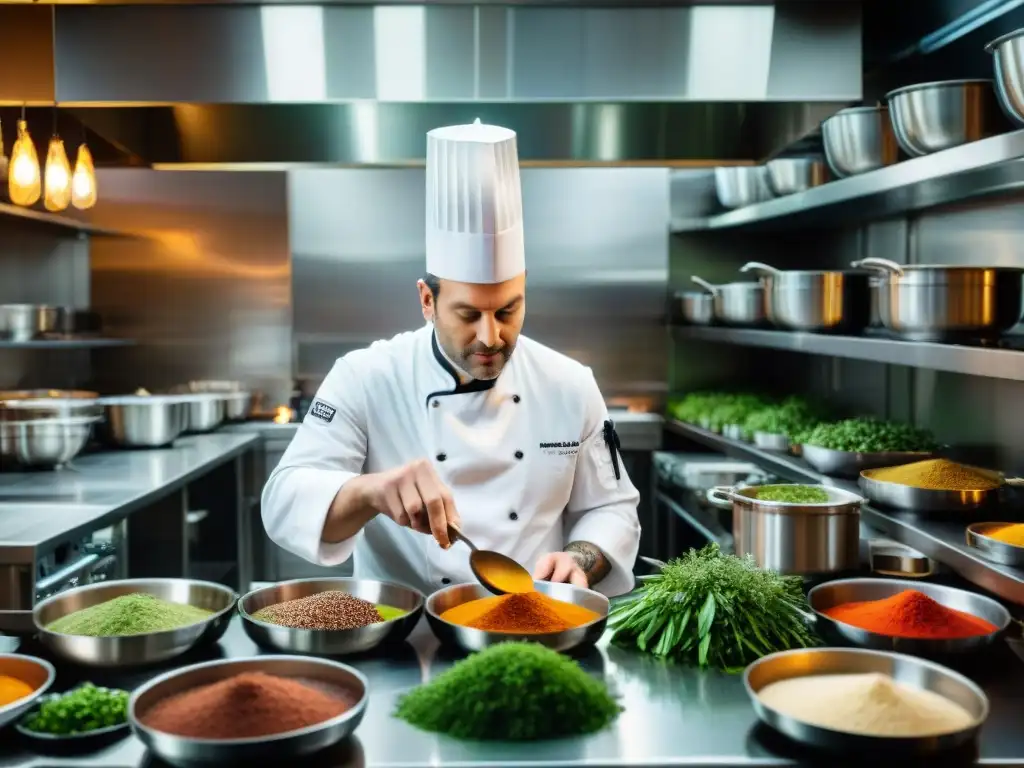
[{"x": 243, "y": 86}]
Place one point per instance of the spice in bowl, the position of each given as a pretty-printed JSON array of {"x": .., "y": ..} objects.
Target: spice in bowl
[
  {"x": 937, "y": 475},
  {"x": 1011, "y": 533},
  {"x": 12, "y": 689},
  {"x": 793, "y": 494},
  {"x": 246, "y": 706},
  {"x": 511, "y": 692},
  {"x": 330, "y": 610},
  {"x": 135, "y": 614},
  {"x": 85, "y": 709},
  {"x": 865, "y": 704},
  {"x": 524, "y": 613},
  {"x": 911, "y": 614}
]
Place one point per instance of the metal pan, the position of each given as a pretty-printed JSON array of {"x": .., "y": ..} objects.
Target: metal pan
[
  {"x": 850, "y": 463},
  {"x": 833, "y": 593},
  {"x": 741, "y": 304},
  {"x": 993, "y": 549},
  {"x": 917, "y": 673},
  {"x": 697, "y": 308},
  {"x": 890, "y": 494},
  {"x": 817, "y": 302}
]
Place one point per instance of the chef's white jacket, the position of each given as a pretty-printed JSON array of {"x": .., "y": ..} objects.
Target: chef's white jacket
[{"x": 526, "y": 457}]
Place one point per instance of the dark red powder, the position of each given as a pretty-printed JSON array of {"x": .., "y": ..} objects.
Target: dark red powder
[
  {"x": 911, "y": 614},
  {"x": 248, "y": 705}
]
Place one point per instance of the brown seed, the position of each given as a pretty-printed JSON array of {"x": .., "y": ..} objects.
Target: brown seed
[{"x": 325, "y": 610}]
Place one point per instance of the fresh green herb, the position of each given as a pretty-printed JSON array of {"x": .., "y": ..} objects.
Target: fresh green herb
[
  {"x": 511, "y": 691},
  {"x": 86, "y": 708},
  {"x": 869, "y": 436},
  {"x": 708, "y": 609},
  {"x": 792, "y": 494},
  {"x": 791, "y": 416},
  {"x": 715, "y": 409},
  {"x": 135, "y": 614}
]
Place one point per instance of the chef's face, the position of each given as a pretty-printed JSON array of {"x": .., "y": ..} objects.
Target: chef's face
[{"x": 477, "y": 325}]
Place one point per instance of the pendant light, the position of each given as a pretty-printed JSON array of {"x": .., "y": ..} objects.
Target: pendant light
[
  {"x": 23, "y": 182},
  {"x": 3, "y": 157},
  {"x": 57, "y": 176},
  {"x": 83, "y": 182}
]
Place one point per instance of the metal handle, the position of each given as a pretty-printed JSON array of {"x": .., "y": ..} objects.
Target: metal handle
[
  {"x": 1014, "y": 482},
  {"x": 704, "y": 284},
  {"x": 759, "y": 268},
  {"x": 880, "y": 265},
  {"x": 67, "y": 573},
  {"x": 720, "y": 496},
  {"x": 454, "y": 529}
]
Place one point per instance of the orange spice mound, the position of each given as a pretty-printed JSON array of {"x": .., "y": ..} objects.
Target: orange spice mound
[
  {"x": 524, "y": 613},
  {"x": 911, "y": 614}
]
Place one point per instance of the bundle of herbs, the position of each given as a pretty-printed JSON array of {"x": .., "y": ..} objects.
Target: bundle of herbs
[{"x": 709, "y": 609}]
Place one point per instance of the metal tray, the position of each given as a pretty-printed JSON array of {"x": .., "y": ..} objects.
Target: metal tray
[
  {"x": 917, "y": 673},
  {"x": 477, "y": 639},
  {"x": 850, "y": 464},
  {"x": 331, "y": 642},
  {"x": 37, "y": 673},
  {"x": 181, "y": 750},
  {"x": 133, "y": 650},
  {"x": 901, "y": 496},
  {"x": 993, "y": 549},
  {"x": 833, "y": 593}
]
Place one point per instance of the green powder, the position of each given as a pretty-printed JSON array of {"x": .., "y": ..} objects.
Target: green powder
[
  {"x": 387, "y": 612},
  {"x": 136, "y": 614},
  {"x": 511, "y": 691}
]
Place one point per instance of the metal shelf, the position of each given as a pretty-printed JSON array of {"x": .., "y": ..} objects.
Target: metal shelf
[
  {"x": 973, "y": 170},
  {"x": 940, "y": 540},
  {"x": 992, "y": 362},
  {"x": 66, "y": 343},
  {"x": 56, "y": 221}
]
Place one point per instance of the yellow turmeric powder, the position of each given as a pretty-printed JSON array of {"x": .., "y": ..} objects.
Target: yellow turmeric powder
[
  {"x": 938, "y": 475},
  {"x": 1011, "y": 533},
  {"x": 12, "y": 689},
  {"x": 524, "y": 614}
]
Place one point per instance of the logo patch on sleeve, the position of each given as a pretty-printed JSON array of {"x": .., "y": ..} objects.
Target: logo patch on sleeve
[{"x": 323, "y": 411}]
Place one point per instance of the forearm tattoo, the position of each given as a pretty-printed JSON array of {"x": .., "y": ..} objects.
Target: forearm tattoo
[{"x": 591, "y": 560}]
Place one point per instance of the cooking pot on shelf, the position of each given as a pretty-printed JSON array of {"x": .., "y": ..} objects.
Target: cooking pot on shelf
[
  {"x": 798, "y": 539},
  {"x": 802, "y": 300},
  {"x": 739, "y": 304},
  {"x": 696, "y": 307},
  {"x": 924, "y": 302}
]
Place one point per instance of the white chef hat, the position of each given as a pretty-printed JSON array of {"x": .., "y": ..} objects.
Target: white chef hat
[{"x": 474, "y": 204}]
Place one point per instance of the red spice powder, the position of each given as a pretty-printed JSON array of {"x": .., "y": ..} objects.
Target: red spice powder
[
  {"x": 527, "y": 612},
  {"x": 911, "y": 614},
  {"x": 245, "y": 706}
]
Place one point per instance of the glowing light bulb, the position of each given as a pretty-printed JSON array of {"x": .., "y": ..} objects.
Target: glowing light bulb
[
  {"x": 23, "y": 182},
  {"x": 83, "y": 182},
  {"x": 57, "y": 177}
]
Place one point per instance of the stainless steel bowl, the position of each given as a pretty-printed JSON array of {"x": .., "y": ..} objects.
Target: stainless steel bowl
[
  {"x": 833, "y": 593},
  {"x": 818, "y": 302},
  {"x": 978, "y": 537},
  {"x": 135, "y": 649},
  {"x": 143, "y": 421},
  {"x": 203, "y": 412},
  {"x": 858, "y": 140},
  {"x": 739, "y": 304},
  {"x": 477, "y": 639},
  {"x": 850, "y": 464},
  {"x": 45, "y": 443},
  {"x": 794, "y": 538},
  {"x": 931, "y": 117},
  {"x": 696, "y": 308},
  {"x": 43, "y": 404},
  {"x": 937, "y": 303},
  {"x": 770, "y": 441},
  {"x": 916, "y": 673},
  {"x": 331, "y": 642},
  {"x": 37, "y": 673},
  {"x": 890, "y": 494},
  {"x": 328, "y": 676},
  {"x": 238, "y": 399},
  {"x": 237, "y": 405},
  {"x": 1008, "y": 57},
  {"x": 789, "y": 175},
  {"x": 739, "y": 186},
  {"x": 25, "y": 322}
]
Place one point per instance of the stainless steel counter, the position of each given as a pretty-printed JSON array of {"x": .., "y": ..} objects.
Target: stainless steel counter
[{"x": 672, "y": 716}]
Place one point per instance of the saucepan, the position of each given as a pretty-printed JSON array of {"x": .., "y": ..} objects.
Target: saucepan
[
  {"x": 696, "y": 307},
  {"x": 736, "y": 303},
  {"x": 814, "y": 301},
  {"x": 924, "y": 302}
]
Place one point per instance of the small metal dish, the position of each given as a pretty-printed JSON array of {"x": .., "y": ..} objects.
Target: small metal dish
[
  {"x": 789, "y": 175},
  {"x": 735, "y": 432},
  {"x": 771, "y": 441},
  {"x": 326, "y": 675},
  {"x": 110, "y": 733},
  {"x": 324, "y": 641},
  {"x": 477, "y": 639},
  {"x": 890, "y": 558},
  {"x": 890, "y": 494},
  {"x": 696, "y": 307},
  {"x": 833, "y": 593},
  {"x": 916, "y": 673},
  {"x": 135, "y": 649},
  {"x": 850, "y": 464},
  {"x": 36, "y": 673},
  {"x": 739, "y": 186},
  {"x": 978, "y": 537}
]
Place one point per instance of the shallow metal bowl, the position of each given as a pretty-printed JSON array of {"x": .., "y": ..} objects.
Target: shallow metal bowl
[
  {"x": 135, "y": 649},
  {"x": 979, "y": 537},
  {"x": 182, "y": 750},
  {"x": 931, "y": 117},
  {"x": 739, "y": 186},
  {"x": 789, "y": 175},
  {"x": 916, "y": 673},
  {"x": 43, "y": 404},
  {"x": 851, "y": 463},
  {"x": 43, "y": 443},
  {"x": 477, "y": 639},
  {"x": 858, "y": 140},
  {"x": 331, "y": 642},
  {"x": 833, "y": 593},
  {"x": 901, "y": 496},
  {"x": 37, "y": 673}
]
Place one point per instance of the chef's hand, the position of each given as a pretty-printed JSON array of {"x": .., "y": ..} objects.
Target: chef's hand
[
  {"x": 414, "y": 496},
  {"x": 561, "y": 567}
]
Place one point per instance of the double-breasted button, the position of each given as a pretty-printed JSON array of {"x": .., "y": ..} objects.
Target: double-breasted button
[
  {"x": 442, "y": 456},
  {"x": 516, "y": 398},
  {"x": 446, "y": 580},
  {"x": 519, "y": 454},
  {"x": 435, "y": 403},
  {"x": 513, "y": 515}
]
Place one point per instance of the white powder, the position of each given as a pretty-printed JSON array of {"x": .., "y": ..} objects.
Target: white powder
[{"x": 867, "y": 704}]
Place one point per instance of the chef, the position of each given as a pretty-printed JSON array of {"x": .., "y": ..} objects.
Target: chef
[{"x": 463, "y": 421}]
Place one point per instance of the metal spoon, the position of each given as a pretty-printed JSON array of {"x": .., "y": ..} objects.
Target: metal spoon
[{"x": 497, "y": 572}]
